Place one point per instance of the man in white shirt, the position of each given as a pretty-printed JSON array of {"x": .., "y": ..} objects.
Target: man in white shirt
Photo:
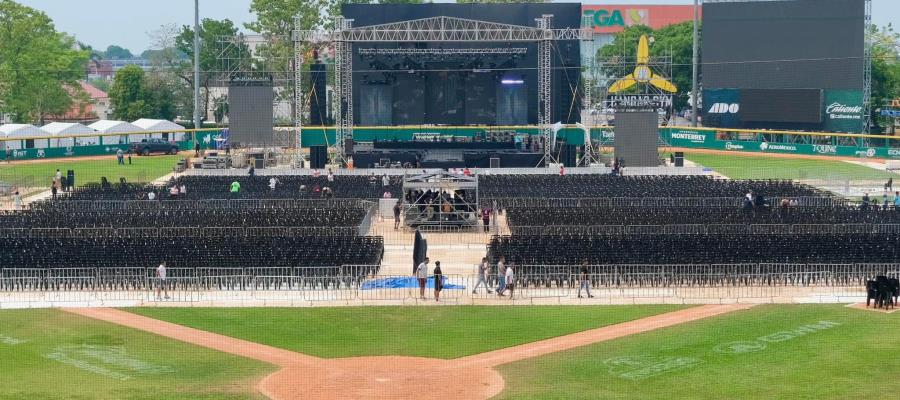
[
  {"x": 510, "y": 280},
  {"x": 385, "y": 181},
  {"x": 422, "y": 276},
  {"x": 161, "y": 280},
  {"x": 272, "y": 183},
  {"x": 151, "y": 196}
]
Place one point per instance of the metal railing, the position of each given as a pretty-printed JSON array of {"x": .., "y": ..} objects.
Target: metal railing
[{"x": 346, "y": 283}]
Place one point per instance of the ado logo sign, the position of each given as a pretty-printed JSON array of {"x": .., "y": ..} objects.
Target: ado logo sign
[{"x": 724, "y": 108}]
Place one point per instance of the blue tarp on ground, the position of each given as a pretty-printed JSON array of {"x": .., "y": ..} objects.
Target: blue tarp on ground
[{"x": 404, "y": 282}]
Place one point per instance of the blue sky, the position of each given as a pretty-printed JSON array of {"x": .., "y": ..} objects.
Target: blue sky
[{"x": 127, "y": 22}]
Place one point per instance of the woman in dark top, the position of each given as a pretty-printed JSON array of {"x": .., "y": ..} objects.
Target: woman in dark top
[{"x": 438, "y": 281}]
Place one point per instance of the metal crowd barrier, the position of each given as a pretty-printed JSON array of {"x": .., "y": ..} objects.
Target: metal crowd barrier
[{"x": 358, "y": 282}]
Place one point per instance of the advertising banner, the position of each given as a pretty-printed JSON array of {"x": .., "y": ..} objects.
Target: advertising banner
[
  {"x": 722, "y": 108},
  {"x": 612, "y": 18},
  {"x": 843, "y": 111},
  {"x": 688, "y": 138}
]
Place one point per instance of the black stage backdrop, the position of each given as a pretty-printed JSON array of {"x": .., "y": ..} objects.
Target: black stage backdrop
[{"x": 445, "y": 90}]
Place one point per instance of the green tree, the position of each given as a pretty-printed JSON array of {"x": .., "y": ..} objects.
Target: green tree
[
  {"x": 211, "y": 54},
  {"x": 885, "y": 72},
  {"x": 114, "y": 52},
  {"x": 129, "y": 97},
  {"x": 673, "y": 40},
  {"x": 39, "y": 67},
  {"x": 498, "y": 1}
]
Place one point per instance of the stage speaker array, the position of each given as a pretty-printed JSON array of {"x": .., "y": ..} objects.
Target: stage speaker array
[
  {"x": 318, "y": 157},
  {"x": 679, "y": 158},
  {"x": 317, "y": 95}
]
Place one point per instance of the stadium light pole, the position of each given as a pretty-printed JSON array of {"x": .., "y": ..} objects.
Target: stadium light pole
[
  {"x": 695, "y": 61},
  {"x": 196, "y": 66}
]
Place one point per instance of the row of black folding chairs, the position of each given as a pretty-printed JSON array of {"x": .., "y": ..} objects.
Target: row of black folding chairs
[
  {"x": 575, "y": 186},
  {"x": 696, "y": 248},
  {"x": 186, "y": 232},
  {"x": 54, "y": 218},
  {"x": 588, "y": 215},
  {"x": 196, "y": 252},
  {"x": 251, "y": 187},
  {"x": 203, "y": 204}
]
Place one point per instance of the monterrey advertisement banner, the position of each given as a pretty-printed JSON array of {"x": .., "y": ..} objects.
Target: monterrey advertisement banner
[{"x": 843, "y": 111}]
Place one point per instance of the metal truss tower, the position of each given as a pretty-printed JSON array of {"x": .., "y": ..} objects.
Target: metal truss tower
[
  {"x": 867, "y": 71},
  {"x": 544, "y": 84}
]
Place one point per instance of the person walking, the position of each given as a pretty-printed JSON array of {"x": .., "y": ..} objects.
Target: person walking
[
  {"x": 161, "y": 281},
  {"x": 501, "y": 276},
  {"x": 397, "y": 215},
  {"x": 584, "y": 282},
  {"x": 422, "y": 276},
  {"x": 438, "y": 281},
  {"x": 120, "y": 157},
  {"x": 510, "y": 280},
  {"x": 197, "y": 148},
  {"x": 17, "y": 201},
  {"x": 53, "y": 189},
  {"x": 483, "y": 269},
  {"x": 486, "y": 218}
]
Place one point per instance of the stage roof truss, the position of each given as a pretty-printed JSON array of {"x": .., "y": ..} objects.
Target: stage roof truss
[
  {"x": 433, "y": 29},
  {"x": 443, "y": 29},
  {"x": 407, "y": 51}
]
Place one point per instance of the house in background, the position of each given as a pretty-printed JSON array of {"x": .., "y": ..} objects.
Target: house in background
[{"x": 94, "y": 109}]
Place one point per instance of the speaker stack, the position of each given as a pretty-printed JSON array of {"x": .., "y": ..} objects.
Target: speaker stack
[
  {"x": 318, "y": 157},
  {"x": 317, "y": 100}
]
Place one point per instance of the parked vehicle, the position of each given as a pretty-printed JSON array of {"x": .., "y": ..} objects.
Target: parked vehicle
[{"x": 153, "y": 145}]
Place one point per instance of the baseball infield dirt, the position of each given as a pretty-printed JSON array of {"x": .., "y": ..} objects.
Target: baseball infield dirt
[{"x": 390, "y": 377}]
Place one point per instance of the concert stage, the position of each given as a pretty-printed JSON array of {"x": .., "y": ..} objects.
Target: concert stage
[{"x": 448, "y": 154}]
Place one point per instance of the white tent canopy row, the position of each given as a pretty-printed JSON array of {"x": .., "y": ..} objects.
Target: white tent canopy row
[
  {"x": 12, "y": 131},
  {"x": 64, "y": 134}
]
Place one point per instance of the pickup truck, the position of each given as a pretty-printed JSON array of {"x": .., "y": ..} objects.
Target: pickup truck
[{"x": 153, "y": 145}]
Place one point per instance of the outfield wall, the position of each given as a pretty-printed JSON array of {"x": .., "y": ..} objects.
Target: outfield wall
[
  {"x": 740, "y": 140},
  {"x": 40, "y": 145}
]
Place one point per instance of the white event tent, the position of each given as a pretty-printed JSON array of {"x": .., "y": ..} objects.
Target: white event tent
[
  {"x": 109, "y": 126},
  {"x": 13, "y": 131},
  {"x": 165, "y": 129},
  {"x": 61, "y": 129}
]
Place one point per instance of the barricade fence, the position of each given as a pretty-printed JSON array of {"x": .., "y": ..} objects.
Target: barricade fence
[
  {"x": 358, "y": 282},
  {"x": 698, "y": 229}
]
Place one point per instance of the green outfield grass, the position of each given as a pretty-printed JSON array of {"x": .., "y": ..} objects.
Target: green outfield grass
[
  {"x": 435, "y": 332},
  {"x": 763, "y": 167},
  {"x": 40, "y": 174},
  {"x": 768, "y": 352},
  {"x": 51, "y": 354}
]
